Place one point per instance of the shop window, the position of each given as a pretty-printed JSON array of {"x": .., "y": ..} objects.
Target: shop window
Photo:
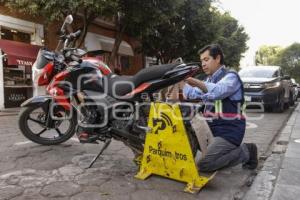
[
  {"x": 15, "y": 35},
  {"x": 17, "y": 85},
  {"x": 13, "y": 76},
  {"x": 17, "y": 76}
]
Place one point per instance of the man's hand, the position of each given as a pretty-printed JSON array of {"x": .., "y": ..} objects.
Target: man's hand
[
  {"x": 192, "y": 81},
  {"x": 196, "y": 83},
  {"x": 181, "y": 85}
]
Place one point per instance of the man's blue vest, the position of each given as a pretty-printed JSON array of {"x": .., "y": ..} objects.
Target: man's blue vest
[{"x": 227, "y": 116}]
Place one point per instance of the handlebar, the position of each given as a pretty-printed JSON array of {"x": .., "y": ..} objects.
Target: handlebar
[
  {"x": 75, "y": 35},
  {"x": 68, "y": 38}
]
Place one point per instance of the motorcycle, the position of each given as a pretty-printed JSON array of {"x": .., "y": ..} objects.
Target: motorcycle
[
  {"x": 49, "y": 69},
  {"x": 101, "y": 107}
]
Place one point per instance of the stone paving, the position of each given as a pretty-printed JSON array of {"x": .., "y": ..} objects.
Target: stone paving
[{"x": 31, "y": 171}]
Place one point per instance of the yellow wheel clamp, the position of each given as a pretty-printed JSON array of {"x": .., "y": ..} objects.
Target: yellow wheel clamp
[{"x": 167, "y": 151}]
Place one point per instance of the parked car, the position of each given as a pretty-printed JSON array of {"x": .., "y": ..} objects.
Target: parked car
[
  {"x": 266, "y": 86},
  {"x": 294, "y": 91}
]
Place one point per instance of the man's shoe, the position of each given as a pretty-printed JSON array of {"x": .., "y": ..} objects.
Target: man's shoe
[{"x": 253, "y": 160}]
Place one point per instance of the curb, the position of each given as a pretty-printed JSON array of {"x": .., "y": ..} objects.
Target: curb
[
  {"x": 287, "y": 184},
  {"x": 9, "y": 111},
  {"x": 3, "y": 114}
]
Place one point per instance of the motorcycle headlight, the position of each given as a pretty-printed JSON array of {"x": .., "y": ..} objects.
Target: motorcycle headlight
[{"x": 271, "y": 85}]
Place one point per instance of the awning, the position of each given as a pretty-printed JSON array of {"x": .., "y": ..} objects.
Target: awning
[
  {"x": 95, "y": 42},
  {"x": 18, "y": 53}
]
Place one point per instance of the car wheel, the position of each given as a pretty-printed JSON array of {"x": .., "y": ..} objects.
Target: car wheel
[
  {"x": 268, "y": 108},
  {"x": 291, "y": 101},
  {"x": 286, "y": 105},
  {"x": 280, "y": 106}
]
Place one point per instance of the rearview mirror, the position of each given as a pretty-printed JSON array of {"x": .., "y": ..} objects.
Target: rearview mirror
[{"x": 68, "y": 20}]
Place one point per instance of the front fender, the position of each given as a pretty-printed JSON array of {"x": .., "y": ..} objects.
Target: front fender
[{"x": 36, "y": 100}]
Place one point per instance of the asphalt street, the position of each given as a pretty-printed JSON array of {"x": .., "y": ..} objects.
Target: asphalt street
[{"x": 32, "y": 171}]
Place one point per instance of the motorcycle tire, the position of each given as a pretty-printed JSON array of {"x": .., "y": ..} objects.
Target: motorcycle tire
[{"x": 24, "y": 116}]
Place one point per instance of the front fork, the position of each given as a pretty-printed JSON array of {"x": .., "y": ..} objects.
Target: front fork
[
  {"x": 52, "y": 111},
  {"x": 59, "y": 100},
  {"x": 48, "y": 109}
]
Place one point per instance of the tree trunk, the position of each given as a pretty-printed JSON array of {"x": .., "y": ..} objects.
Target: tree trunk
[
  {"x": 83, "y": 35},
  {"x": 157, "y": 60},
  {"x": 86, "y": 22},
  {"x": 115, "y": 50}
]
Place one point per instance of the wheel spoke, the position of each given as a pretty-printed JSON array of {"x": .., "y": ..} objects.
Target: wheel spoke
[
  {"x": 36, "y": 121},
  {"x": 58, "y": 131},
  {"x": 41, "y": 132}
]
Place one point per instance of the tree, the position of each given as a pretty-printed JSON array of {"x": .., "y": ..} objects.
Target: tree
[
  {"x": 267, "y": 55},
  {"x": 232, "y": 38},
  {"x": 196, "y": 24},
  {"x": 289, "y": 60},
  {"x": 200, "y": 20},
  {"x": 163, "y": 39},
  {"x": 182, "y": 34},
  {"x": 136, "y": 17}
]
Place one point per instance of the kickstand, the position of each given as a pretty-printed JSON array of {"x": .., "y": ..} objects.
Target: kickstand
[{"x": 107, "y": 142}]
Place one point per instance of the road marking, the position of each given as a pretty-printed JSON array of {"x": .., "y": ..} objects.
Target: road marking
[
  {"x": 297, "y": 140},
  {"x": 74, "y": 139},
  {"x": 28, "y": 142},
  {"x": 22, "y": 143},
  {"x": 250, "y": 125}
]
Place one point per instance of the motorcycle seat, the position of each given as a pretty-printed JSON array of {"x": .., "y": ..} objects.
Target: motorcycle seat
[{"x": 121, "y": 85}]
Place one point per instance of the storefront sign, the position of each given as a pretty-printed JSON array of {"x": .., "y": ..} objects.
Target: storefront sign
[
  {"x": 24, "y": 62},
  {"x": 19, "y": 53},
  {"x": 14, "y": 97}
]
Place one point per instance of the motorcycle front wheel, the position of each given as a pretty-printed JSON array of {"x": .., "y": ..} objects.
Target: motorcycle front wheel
[{"x": 32, "y": 123}]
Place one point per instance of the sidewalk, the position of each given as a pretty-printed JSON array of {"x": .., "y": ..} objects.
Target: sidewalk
[
  {"x": 288, "y": 182},
  {"x": 279, "y": 179},
  {"x": 9, "y": 111}
]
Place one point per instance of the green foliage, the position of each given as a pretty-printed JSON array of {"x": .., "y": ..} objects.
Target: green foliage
[
  {"x": 289, "y": 60},
  {"x": 190, "y": 27},
  {"x": 56, "y": 9},
  {"x": 142, "y": 15},
  {"x": 267, "y": 55},
  {"x": 195, "y": 25},
  {"x": 232, "y": 39},
  {"x": 137, "y": 18},
  {"x": 201, "y": 25}
]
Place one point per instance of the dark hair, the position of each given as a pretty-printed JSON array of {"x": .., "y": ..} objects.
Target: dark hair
[{"x": 214, "y": 51}]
